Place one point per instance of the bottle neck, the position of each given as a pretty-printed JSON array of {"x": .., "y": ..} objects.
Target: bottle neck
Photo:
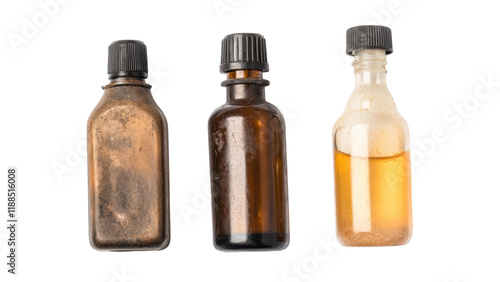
[
  {"x": 245, "y": 92},
  {"x": 370, "y": 93},
  {"x": 369, "y": 67},
  {"x": 127, "y": 81}
]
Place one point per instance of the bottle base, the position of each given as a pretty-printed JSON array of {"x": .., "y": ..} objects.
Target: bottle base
[
  {"x": 384, "y": 238},
  {"x": 130, "y": 246},
  {"x": 252, "y": 242}
]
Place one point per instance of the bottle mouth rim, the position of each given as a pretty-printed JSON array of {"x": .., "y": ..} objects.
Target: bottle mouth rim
[
  {"x": 232, "y": 66},
  {"x": 141, "y": 74},
  {"x": 350, "y": 51}
]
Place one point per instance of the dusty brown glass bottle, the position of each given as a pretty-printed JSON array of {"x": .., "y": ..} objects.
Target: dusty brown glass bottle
[
  {"x": 128, "y": 159},
  {"x": 248, "y": 155}
]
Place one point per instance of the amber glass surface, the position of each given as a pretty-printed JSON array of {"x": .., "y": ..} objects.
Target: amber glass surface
[
  {"x": 128, "y": 170},
  {"x": 248, "y": 170}
]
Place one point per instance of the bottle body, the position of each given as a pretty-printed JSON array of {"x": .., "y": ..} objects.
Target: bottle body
[
  {"x": 248, "y": 172},
  {"x": 128, "y": 170},
  {"x": 372, "y": 162}
]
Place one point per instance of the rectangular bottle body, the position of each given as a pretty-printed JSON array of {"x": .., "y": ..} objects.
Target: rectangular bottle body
[{"x": 128, "y": 176}]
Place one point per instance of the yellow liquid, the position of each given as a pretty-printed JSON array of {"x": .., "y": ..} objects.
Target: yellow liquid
[{"x": 373, "y": 197}]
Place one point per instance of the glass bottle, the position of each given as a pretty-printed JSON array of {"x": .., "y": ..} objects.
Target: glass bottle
[
  {"x": 247, "y": 154},
  {"x": 128, "y": 158},
  {"x": 371, "y": 151}
]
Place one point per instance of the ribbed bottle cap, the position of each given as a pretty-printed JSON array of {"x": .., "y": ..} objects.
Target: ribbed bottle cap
[
  {"x": 244, "y": 51},
  {"x": 127, "y": 58},
  {"x": 369, "y": 37}
]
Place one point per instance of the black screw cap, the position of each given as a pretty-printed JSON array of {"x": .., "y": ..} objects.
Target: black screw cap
[
  {"x": 369, "y": 37},
  {"x": 127, "y": 58},
  {"x": 244, "y": 51}
]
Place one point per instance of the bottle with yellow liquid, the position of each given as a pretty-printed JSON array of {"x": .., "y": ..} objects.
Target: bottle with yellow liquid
[{"x": 371, "y": 151}]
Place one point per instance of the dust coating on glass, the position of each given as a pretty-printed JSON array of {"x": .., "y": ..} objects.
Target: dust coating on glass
[
  {"x": 248, "y": 170},
  {"x": 128, "y": 169}
]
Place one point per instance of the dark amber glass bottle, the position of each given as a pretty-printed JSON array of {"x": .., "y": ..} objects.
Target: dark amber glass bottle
[
  {"x": 248, "y": 154},
  {"x": 128, "y": 158}
]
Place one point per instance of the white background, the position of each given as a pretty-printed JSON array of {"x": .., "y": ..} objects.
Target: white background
[{"x": 444, "y": 51}]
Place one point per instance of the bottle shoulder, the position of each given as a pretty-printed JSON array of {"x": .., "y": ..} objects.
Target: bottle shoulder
[
  {"x": 371, "y": 134},
  {"x": 372, "y": 105},
  {"x": 370, "y": 119},
  {"x": 129, "y": 106},
  {"x": 246, "y": 111}
]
